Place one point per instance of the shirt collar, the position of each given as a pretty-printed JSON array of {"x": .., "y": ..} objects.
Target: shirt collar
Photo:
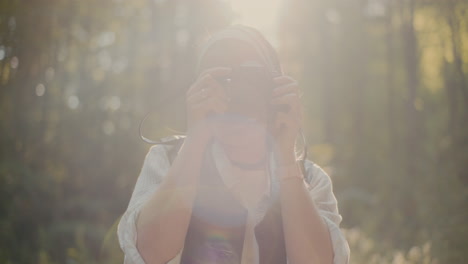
[{"x": 224, "y": 167}]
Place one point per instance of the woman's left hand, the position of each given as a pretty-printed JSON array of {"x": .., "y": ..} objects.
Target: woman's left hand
[{"x": 286, "y": 124}]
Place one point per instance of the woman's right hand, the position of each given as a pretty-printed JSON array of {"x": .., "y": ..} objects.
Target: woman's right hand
[{"x": 204, "y": 97}]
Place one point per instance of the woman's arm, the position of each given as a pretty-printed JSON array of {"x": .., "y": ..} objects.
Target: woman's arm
[
  {"x": 310, "y": 236},
  {"x": 163, "y": 221},
  {"x": 311, "y": 220},
  {"x": 306, "y": 234}
]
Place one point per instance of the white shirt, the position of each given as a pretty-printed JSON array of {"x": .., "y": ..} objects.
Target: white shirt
[{"x": 156, "y": 166}]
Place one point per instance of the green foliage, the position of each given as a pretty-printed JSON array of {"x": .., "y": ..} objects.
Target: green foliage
[
  {"x": 386, "y": 97},
  {"x": 364, "y": 250}
]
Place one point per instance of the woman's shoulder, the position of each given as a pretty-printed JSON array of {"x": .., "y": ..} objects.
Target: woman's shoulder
[
  {"x": 315, "y": 174},
  {"x": 159, "y": 158},
  {"x": 168, "y": 148}
]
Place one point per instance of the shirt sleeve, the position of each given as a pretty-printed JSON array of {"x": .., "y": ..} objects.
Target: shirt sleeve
[
  {"x": 155, "y": 166},
  {"x": 321, "y": 190}
]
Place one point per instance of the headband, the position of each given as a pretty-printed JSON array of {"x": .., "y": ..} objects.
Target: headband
[{"x": 249, "y": 35}]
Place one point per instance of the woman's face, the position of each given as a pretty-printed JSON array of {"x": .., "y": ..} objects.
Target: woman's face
[
  {"x": 239, "y": 132},
  {"x": 245, "y": 122}
]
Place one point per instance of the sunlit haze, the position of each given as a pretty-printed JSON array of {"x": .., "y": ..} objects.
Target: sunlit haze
[
  {"x": 261, "y": 14},
  {"x": 109, "y": 131}
]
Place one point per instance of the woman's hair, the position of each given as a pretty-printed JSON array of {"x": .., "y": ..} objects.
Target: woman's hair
[
  {"x": 226, "y": 52},
  {"x": 249, "y": 37}
]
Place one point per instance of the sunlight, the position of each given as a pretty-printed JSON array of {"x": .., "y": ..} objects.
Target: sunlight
[{"x": 261, "y": 14}]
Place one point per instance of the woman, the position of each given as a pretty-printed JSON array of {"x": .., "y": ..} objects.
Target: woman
[{"x": 232, "y": 190}]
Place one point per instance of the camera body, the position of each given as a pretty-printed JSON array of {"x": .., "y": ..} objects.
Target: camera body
[{"x": 251, "y": 84}]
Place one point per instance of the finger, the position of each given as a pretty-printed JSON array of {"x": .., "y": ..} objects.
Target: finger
[
  {"x": 199, "y": 103},
  {"x": 220, "y": 91},
  {"x": 196, "y": 99},
  {"x": 216, "y": 72},
  {"x": 281, "y": 120},
  {"x": 285, "y": 121},
  {"x": 215, "y": 104},
  {"x": 296, "y": 114},
  {"x": 213, "y": 91},
  {"x": 201, "y": 94},
  {"x": 215, "y": 107},
  {"x": 207, "y": 83},
  {"x": 206, "y": 80},
  {"x": 283, "y": 79},
  {"x": 284, "y": 89},
  {"x": 289, "y": 105},
  {"x": 289, "y": 98}
]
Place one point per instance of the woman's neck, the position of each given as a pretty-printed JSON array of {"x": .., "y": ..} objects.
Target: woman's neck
[{"x": 251, "y": 154}]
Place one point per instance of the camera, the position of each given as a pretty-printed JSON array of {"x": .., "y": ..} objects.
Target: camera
[{"x": 250, "y": 85}]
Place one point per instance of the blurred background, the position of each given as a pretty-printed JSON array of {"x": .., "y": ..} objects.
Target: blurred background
[{"x": 385, "y": 89}]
